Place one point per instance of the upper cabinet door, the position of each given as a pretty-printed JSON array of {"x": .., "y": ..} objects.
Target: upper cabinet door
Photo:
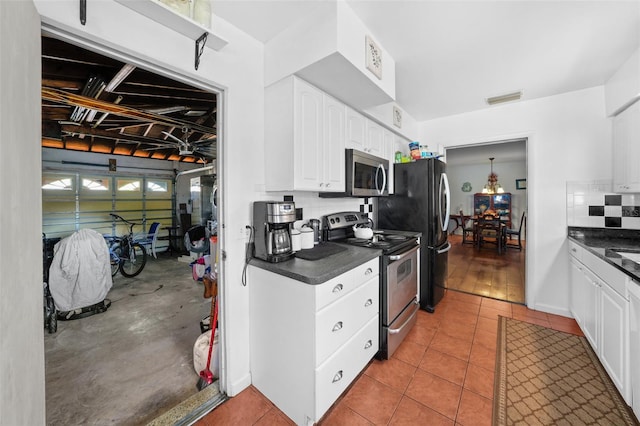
[
  {"x": 308, "y": 137},
  {"x": 626, "y": 150},
  {"x": 375, "y": 139},
  {"x": 356, "y": 130},
  {"x": 334, "y": 144}
]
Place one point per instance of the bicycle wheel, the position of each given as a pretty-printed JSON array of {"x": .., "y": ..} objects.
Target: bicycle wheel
[
  {"x": 133, "y": 264},
  {"x": 115, "y": 255}
]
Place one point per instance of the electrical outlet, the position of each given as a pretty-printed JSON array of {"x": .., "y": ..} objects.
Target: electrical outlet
[{"x": 245, "y": 233}]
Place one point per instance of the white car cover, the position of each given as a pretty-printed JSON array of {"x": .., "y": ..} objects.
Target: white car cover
[{"x": 80, "y": 273}]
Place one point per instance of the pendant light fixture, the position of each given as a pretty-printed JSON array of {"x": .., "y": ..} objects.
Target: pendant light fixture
[{"x": 492, "y": 186}]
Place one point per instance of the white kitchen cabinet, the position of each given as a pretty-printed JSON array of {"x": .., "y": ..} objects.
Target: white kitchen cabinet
[
  {"x": 634, "y": 343},
  {"x": 304, "y": 138},
  {"x": 364, "y": 134},
  {"x": 309, "y": 342},
  {"x": 577, "y": 295},
  {"x": 613, "y": 338},
  {"x": 334, "y": 138},
  {"x": 626, "y": 150},
  {"x": 375, "y": 139},
  {"x": 591, "y": 311},
  {"x": 356, "y": 125},
  {"x": 600, "y": 305}
]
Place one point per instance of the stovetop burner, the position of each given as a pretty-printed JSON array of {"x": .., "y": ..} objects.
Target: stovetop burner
[
  {"x": 368, "y": 243},
  {"x": 338, "y": 227},
  {"x": 389, "y": 237}
]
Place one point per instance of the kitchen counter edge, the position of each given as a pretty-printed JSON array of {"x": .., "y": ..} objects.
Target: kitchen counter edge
[
  {"x": 602, "y": 248},
  {"x": 315, "y": 272}
]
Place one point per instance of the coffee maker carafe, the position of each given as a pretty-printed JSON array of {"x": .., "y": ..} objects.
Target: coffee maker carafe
[{"x": 272, "y": 221}]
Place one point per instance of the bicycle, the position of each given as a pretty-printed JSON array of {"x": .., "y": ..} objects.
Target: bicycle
[{"x": 127, "y": 256}]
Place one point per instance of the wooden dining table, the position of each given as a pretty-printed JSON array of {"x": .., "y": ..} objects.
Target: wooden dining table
[{"x": 460, "y": 220}]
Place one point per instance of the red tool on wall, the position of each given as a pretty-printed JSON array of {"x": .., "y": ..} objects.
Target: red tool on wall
[{"x": 211, "y": 290}]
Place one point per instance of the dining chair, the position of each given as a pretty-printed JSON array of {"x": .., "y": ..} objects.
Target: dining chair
[
  {"x": 468, "y": 229},
  {"x": 149, "y": 239},
  {"x": 518, "y": 232},
  {"x": 490, "y": 230}
]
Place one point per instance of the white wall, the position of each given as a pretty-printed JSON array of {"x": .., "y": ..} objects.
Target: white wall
[
  {"x": 21, "y": 317},
  {"x": 569, "y": 139}
]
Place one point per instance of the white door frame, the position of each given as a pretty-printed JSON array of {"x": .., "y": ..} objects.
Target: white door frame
[{"x": 221, "y": 104}]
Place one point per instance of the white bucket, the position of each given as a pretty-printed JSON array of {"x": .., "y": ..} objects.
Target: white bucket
[{"x": 201, "y": 351}]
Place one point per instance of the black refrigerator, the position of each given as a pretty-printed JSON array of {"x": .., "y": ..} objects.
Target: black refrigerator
[{"x": 421, "y": 202}]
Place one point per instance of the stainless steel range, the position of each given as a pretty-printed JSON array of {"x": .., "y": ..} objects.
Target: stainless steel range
[{"x": 399, "y": 273}]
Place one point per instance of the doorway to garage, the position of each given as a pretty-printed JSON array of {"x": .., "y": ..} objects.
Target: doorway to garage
[{"x": 116, "y": 137}]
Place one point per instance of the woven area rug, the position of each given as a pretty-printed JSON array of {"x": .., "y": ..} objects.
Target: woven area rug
[{"x": 547, "y": 377}]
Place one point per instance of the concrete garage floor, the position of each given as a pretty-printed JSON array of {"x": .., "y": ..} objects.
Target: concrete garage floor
[{"x": 134, "y": 362}]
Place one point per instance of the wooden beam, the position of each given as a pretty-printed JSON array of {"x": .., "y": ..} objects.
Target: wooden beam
[{"x": 67, "y": 98}]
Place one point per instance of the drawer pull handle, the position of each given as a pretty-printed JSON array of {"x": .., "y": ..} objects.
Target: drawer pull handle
[
  {"x": 369, "y": 271},
  {"x": 337, "y": 288},
  {"x": 574, "y": 250},
  {"x": 337, "y": 327},
  {"x": 369, "y": 302},
  {"x": 368, "y": 344},
  {"x": 337, "y": 377}
]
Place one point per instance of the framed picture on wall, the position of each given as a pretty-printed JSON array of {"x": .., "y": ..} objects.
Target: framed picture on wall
[
  {"x": 373, "y": 57},
  {"x": 521, "y": 184}
]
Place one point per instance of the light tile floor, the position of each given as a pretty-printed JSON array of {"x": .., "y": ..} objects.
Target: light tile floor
[{"x": 442, "y": 374}]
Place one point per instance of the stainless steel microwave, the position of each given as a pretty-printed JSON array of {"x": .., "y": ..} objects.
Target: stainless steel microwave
[{"x": 367, "y": 176}]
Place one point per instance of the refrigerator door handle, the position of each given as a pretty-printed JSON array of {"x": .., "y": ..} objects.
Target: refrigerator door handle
[
  {"x": 384, "y": 179},
  {"x": 444, "y": 220},
  {"x": 444, "y": 250}
]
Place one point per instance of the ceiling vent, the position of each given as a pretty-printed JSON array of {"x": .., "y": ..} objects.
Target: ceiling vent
[{"x": 509, "y": 97}]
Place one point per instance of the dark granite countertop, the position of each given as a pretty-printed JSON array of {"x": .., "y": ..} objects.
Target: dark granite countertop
[
  {"x": 604, "y": 242},
  {"x": 322, "y": 270}
]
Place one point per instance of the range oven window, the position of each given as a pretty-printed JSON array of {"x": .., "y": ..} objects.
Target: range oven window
[{"x": 403, "y": 271}]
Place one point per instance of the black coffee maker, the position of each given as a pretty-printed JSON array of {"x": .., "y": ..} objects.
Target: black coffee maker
[{"x": 272, "y": 222}]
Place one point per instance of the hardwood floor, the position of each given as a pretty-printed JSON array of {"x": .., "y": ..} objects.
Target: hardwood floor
[
  {"x": 484, "y": 272},
  {"x": 443, "y": 372}
]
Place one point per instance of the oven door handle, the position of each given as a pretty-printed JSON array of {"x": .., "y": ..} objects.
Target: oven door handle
[
  {"x": 413, "y": 314},
  {"x": 395, "y": 257}
]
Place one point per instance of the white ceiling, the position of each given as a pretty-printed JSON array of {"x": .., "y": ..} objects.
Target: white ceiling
[{"x": 451, "y": 55}]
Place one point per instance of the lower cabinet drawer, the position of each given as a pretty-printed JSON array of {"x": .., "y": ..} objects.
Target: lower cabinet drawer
[
  {"x": 336, "y": 323},
  {"x": 575, "y": 250},
  {"x": 333, "y": 377},
  {"x": 616, "y": 279},
  {"x": 342, "y": 285}
]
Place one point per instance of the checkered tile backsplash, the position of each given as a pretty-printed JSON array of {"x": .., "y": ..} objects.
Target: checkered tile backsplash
[
  {"x": 595, "y": 209},
  {"x": 367, "y": 207}
]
